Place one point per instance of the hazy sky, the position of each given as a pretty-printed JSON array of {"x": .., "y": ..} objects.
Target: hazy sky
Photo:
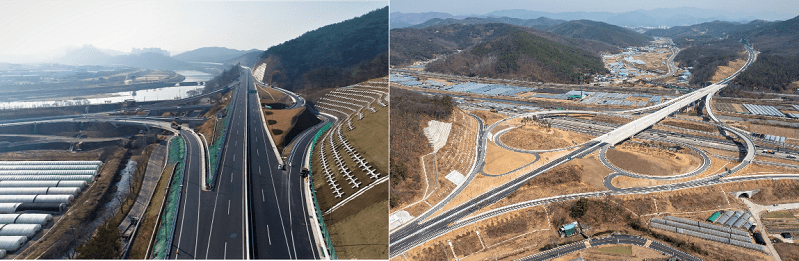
[
  {"x": 463, "y": 7},
  {"x": 35, "y": 27}
]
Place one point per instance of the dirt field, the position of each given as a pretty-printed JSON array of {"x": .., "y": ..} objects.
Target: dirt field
[
  {"x": 532, "y": 137},
  {"x": 787, "y": 251},
  {"x": 653, "y": 161},
  {"x": 500, "y": 161},
  {"x": 717, "y": 165}
]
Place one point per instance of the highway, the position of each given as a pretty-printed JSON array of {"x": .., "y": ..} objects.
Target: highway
[
  {"x": 211, "y": 224},
  {"x": 280, "y": 220},
  {"x": 419, "y": 230}
]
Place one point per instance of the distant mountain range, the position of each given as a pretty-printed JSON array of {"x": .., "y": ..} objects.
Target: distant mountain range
[
  {"x": 652, "y": 18},
  {"x": 90, "y": 55},
  {"x": 777, "y": 38},
  {"x": 581, "y": 29},
  {"x": 211, "y": 54}
]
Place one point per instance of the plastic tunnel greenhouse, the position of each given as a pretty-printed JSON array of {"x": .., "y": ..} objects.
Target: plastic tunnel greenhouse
[
  {"x": 27, "y": 230},
  {"x": 12, "y": 243},
  {"x": 41, "y": 219},
  {"x": 44, "y": 183}
]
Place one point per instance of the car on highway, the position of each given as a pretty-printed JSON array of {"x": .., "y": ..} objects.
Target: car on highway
[
  {"x": 280, "y": 167},
  {"x": 790, "y": 156}
]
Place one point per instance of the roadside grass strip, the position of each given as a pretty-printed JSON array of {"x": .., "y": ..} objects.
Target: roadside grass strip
[
  {"x": 163, "y": 240},
  {"x": 319, "y": 216},
  {"x": 215, "y": 149}
]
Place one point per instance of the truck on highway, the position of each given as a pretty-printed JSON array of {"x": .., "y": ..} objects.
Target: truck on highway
[
  {"x": 768, "y": 151},
  {"x": 175, "y": 125}
]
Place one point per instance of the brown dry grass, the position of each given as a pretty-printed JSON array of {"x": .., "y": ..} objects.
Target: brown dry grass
[
  {"x": 690, "y": 125},
  {"x": 488, "y": 117},
  {"x": 787, "y": 251},
  {"x": 532, "y": 137},
  {"x": 773, "y": 130},
  {"x": 283, "y": 121},
  {"x": 653, "y": 161},
  {"x": 207, "y": 128},
  {"x": 723, "y": 72},
  {"x": 576, "y": 176},
  {"x": 611, "y": 119},
  {"x": 716, "y": 166},
  {"x": 147, "y": 227},
  {"x": 499, "y": 161},
  {"x": 482, "y": 183}
]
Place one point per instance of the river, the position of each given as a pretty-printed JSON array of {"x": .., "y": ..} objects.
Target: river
[{"x": 165, "y": 93}]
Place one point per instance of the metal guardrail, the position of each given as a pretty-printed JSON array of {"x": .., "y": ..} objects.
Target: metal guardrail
[{"x": 328, "y": 241}]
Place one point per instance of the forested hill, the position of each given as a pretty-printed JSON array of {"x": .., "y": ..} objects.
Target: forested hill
[
  {"x": 332, "y": 56},
  {"x": 709, "y": 45},
  {"x": 599, "y": 31},
  {"x": 419, "y": 44},
  {"x": 517, "y": 53},
  {"x": 580, "y": 29},
  {"x": 777, "y": 38}
]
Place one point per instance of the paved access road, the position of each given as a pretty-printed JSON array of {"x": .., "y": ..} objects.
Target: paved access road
[{"x": 614, "y": 239}]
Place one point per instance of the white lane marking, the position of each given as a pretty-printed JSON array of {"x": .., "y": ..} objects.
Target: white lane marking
[
  {"x": 224, "y": 256},
  {"x": 213, "y": 216},
  {"x": 228, "y": 207},
  {"x": 268, "y": 235},
  {"x": 231, "y": 178},
  {"x": 308, "y": 231},
  {"x": 263, "y": 198},
  {"x": 234, "y": 157},
  {"x": 279, "y": 211},
  {"x": 291, "y": 221},
  {"x": 185, "y": 201},
  {"x": 259, "y": 169},
  {"x": 257, "y": 153}
]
